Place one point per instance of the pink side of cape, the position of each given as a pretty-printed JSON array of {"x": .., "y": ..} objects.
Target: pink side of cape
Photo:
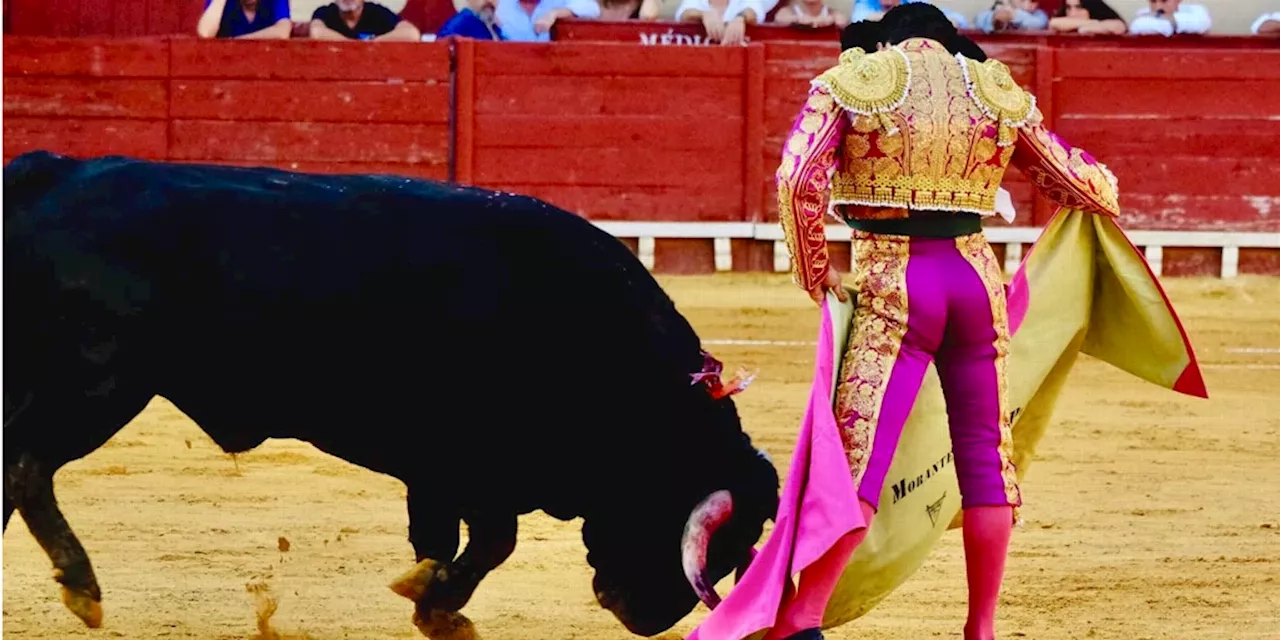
[{"x": 818, "y": 506}]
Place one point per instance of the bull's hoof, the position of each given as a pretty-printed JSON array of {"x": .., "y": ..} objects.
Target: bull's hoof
[
  {"x": 445, "y": 625},
  {"x": 415, "y": 583},
  {"x": 84, "y": 606}
]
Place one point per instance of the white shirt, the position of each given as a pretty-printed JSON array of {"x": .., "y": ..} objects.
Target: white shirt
[
  {"x": 518, "y": 25},
  {"x": 1257, "y": 26},
  {"x": 731, "y": 11},
  {"x": 1191, "y": 18}
]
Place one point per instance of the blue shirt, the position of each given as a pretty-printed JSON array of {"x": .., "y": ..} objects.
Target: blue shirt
[
  {"x": 234, "y": 24},
  {"x": 468, "y": 24},
  {"x": 518, "y": 25},
  {"x": 862, "y": 8}
]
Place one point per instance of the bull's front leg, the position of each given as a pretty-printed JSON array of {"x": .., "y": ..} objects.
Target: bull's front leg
[
  {"x": 441, "y": 589},
  {"x": 28, "y": 487}
]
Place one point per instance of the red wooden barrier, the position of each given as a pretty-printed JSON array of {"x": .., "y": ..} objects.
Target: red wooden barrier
[{"x": 622, "y": 132}]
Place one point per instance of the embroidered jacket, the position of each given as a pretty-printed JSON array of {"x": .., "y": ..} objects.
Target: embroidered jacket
[{"x": 914, "y": 127}]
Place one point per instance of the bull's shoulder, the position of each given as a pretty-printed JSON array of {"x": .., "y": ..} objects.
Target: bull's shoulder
[{"x": 28, "y": 177}]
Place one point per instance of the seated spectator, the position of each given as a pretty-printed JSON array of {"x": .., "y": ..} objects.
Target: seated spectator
[
  {"x": 476, "y": 20},
  {"x": 360, "y": 20},
  {"x": 623, "y": 10},
  {"x": 725, "y": 20},
  {"x": 1088, "y": 17},
  {"x": 248, "y": 19},
  {"x": 1011, "y": 15},
  {"x": 810, "y": 13},
  {"x": 875, "y": 9},
  {"x": 1167, "y": 17},
  {"x": 1267, "y": 24},
  {"x": 531, "y": 20}
]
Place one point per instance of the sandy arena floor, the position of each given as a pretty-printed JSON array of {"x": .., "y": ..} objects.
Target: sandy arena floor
[{"x": 1150, "y": 515}]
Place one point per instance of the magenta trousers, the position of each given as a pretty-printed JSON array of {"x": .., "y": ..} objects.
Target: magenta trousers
[{"x": 922, "y": 301}]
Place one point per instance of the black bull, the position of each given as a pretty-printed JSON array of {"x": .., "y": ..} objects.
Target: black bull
[{"x": 496, "y": 354}]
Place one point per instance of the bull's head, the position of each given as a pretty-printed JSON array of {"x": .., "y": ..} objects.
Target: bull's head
[{"x": 693, "y": 525}]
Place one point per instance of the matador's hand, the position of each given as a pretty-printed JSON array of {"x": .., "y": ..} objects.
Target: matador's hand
[{"x": 832, "y": 282}]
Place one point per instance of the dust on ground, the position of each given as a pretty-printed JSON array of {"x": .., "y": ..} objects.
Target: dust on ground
[{"x": 1149, "y": 514}]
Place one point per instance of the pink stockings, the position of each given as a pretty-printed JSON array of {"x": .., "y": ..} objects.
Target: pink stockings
[{"x": 986, "y": 543}]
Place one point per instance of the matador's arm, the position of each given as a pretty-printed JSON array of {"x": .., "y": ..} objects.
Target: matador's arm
[
  {"x": 1067, "y": 175},
  {"x": 804, "y": 181}
]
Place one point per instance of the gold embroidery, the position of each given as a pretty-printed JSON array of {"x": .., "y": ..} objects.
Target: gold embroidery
[
  {"x": 872, "y": 188},
  {"x": 890, "y": 145},
  {"x": 984, "y": 150},
  {"x": 977, "y": 252},
  {"x": 879, "y": 326},
  {"x": 992, "y": 88},
  {"x": 929, "y": 163},
  {"x": 803, "y": 185},
  {"x": 864, "y": 124},
  {"x": 1066, "y": 175},
  {"x": 856, "y": 146},
  {"x": 869, "y": 83}
]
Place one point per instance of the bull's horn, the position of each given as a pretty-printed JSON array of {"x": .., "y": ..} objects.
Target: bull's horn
[{"x": 703, "y": 522}]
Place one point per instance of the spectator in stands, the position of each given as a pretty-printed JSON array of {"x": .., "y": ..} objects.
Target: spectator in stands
[
  {"x": 810, "y": 13},
  {"x": 1167, "y": 17},
  {"x": 531, "y": 20},
  {"x": 248, "y": 19},
  {"x": 475, "y": 20},
  {"x": 725, "y": 20},
  {"x": 1267, "y": 24},
  {"x": 360, "y": 20},
  {"x": 1013, "y": 15},
  {"x": 875, "y": 9},
  {"x": 623, "y": 10},
  {"x": 1088, "y": 17}
]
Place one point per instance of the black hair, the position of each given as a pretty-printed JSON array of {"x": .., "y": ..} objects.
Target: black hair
[
  {"x": 916, "y": 20},
  {"x": 1098, "y": 10},
  {"x": 966, "y": 47},
  {"x": 865, "y": 34}
]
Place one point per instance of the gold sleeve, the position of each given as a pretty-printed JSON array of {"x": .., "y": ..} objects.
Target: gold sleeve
[
  {"x": 804, "y": 183},
  {"x": 1067, "y": 175}
]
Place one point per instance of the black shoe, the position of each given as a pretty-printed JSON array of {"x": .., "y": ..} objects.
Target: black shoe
[{"x": 807, "y": 634}]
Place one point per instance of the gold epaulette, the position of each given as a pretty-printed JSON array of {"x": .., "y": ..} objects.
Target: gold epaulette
[
  {"x": 871, "y": 84},
  {"x": 992, "y": 88}
]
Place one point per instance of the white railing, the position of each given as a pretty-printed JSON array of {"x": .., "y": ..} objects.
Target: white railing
[{"x": 1014, "y": 239}]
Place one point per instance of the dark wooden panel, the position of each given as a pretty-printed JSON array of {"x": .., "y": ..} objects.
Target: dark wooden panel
[
  {"x": 86, "y": 97},
  {"x": 1191, "y": 261},
  {"x": 1260, "y": 262},
  {"x": 303, "y": 101}
]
